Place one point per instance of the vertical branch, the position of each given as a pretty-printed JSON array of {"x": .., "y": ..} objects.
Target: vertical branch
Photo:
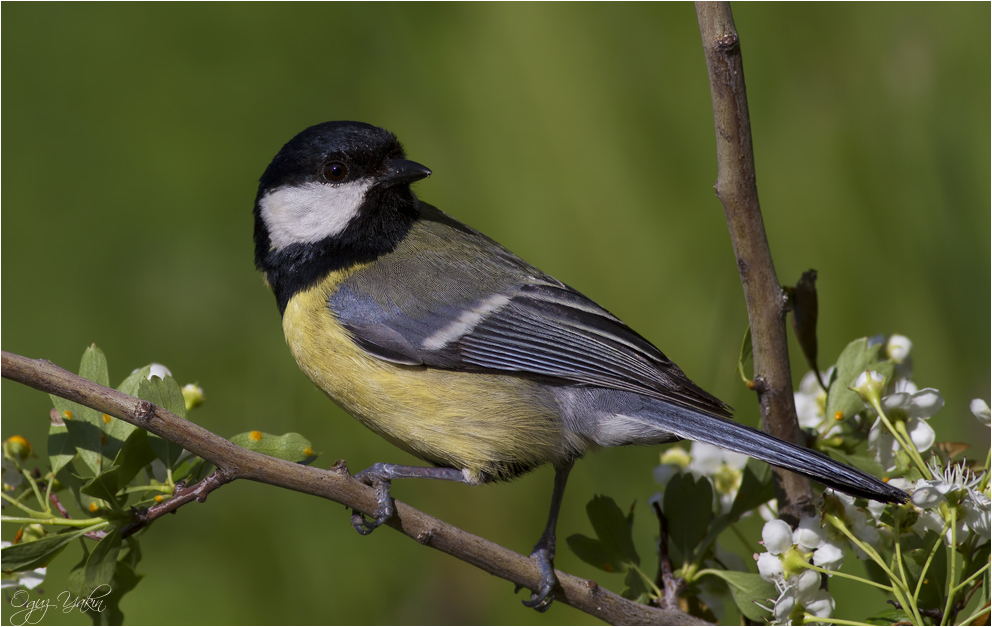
[{"x": 737, "y": 189}]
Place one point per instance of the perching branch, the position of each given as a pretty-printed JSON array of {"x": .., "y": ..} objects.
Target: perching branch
[
  {"x": 234, "y": 462},
  {"x": 737, "y": 189}
]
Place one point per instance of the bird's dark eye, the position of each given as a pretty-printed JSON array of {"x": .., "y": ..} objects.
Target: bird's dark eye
[{"x": 335, "y": 172}]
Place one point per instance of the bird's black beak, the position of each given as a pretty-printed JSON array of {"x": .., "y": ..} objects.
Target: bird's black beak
[{"x": 403, "y": 171}]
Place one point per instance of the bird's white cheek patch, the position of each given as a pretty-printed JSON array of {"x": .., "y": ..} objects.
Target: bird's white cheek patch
[{"x": 308, "y": 213}]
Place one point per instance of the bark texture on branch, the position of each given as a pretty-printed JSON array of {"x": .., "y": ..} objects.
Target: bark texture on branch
[{"x": 736, "y": 187}]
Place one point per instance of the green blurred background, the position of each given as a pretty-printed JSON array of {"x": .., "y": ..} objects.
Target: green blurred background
[{"x": 581, "y": 137}]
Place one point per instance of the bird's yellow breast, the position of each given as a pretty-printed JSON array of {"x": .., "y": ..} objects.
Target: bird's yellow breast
[{"x": 483, "y": 423}]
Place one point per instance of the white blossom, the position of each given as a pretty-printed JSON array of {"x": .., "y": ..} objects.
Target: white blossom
[
  {"x": 803, "y": 594},
  {"x": 912, "y": 409}
]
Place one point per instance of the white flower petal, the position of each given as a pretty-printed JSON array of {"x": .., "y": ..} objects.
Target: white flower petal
[
  {"x": 925, "y": 403},
  {"x": 883, "y": 444},
  {"x": 809, "y": 535},
  {"x": 821, "y": 605},
  {"x": 877, "y": 508},
  {"x": 899, "y": 400},
  {"x": 926, "y": 495},
  {"x": 905, "y": 385},
  {"x": 829, "y": 556},
  {"x": 784, "y": 606},
  {"x": 807, "y": 583},
  {"x": 158, "y": 370},
  {"x": 981, "y": 410},
  {"x": 977, "y": 513},
  {"x": 777, "y": 536},
  {"x": 770, "y": 567},
  {"x": 921, "y": 433}
]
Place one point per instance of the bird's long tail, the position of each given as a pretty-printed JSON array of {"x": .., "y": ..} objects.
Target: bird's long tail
[{"x": 693, "y": 425}]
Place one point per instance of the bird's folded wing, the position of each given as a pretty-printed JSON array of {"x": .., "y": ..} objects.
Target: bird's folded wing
[{"x": 541, "y": 329}]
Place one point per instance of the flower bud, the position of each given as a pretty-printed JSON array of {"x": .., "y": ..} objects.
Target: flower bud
[
  {"x": 869, "y": 386},
  {"x": 898, "y": 348},
  {"x": 193, "y": 395},
  {"x": 19, "y": 447}
]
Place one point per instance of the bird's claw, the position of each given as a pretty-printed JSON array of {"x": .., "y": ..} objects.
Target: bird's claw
[
  {"x": 541, "y": 600},
  {"x": 374, "y": 476}
]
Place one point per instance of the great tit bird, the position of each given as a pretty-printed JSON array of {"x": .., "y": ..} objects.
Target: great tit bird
[{"x": 456, "y": 350}]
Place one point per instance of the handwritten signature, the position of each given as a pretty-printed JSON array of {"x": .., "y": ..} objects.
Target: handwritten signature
[{"x": 32, "y": 612}]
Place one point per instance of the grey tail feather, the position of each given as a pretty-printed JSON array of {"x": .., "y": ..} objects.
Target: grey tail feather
[{"x": 692, "y": 425}]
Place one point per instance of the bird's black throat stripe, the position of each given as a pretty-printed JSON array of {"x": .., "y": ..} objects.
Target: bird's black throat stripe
[{"x": 382, "y": 222}]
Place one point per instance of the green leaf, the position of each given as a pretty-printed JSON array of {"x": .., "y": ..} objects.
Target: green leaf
[
  {"x": 102, "y": 563},
  {"x": 192, "y": 469},
  {"x": 83, "y": 430},
  {"x": 592, "y": 551},
  {"x": 637, "y": 589},
  {"x": 133, "y": 456},
  {"x": 86, "y": 426},
  {"x": 132, "y": 383},
  {"x": 804, "y": 315},
  {"x": 613, "y": 549},
  {"x": 124, "y": 581},
  {"x": 689, "y": 508},
  {"x": 31, "y": 555},
  {"x": 292, "y": 447},
  {"x": 854, "y": 359},
  {"x": 746, "y": 589},
  {"x": 612, "y": 528},
  {"x": 131, "y": 552},
  {"x": 105, "y": 487},
  {"x": 71, "y": 480},
  {"x": 745, "y": 355},
  {"x": 94, "y": 366},
  {"x": 167, "y": 394},
  {"x": 76, "y": 581},
  {"x": 60, "y": 447},
  {"x": 935, "y": 578}
]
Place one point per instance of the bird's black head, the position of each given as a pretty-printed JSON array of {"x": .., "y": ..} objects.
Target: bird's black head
[{"x": 337, "y": 194}]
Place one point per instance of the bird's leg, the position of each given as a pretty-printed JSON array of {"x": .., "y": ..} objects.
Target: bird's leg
[
  {"x": 379, "y": 477},
  {"x": 544, "y": 550}
]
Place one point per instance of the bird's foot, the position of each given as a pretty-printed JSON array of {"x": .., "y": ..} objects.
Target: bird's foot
[
  {"x": 378, "y": 476},
  {"x": 544, "y": 556}
]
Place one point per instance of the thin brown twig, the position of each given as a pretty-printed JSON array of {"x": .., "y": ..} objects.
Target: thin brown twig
[{"x": 736, "y": 187}]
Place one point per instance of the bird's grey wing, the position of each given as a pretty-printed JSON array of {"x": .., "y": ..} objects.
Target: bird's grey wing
[{"x": 541, "y": 328}]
